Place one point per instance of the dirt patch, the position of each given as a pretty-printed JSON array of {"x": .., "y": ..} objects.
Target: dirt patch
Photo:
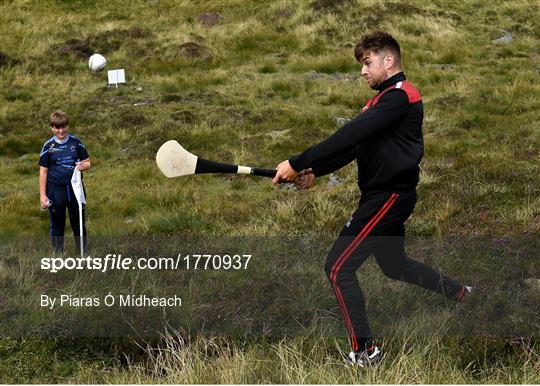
[
  {"x": 209, "y": 19},
  {"x": 284, "y": 14},
  {"x": 104, "y": 43},
  {"x": 183, "y": 116},
  {"x": 127, "y": 118},
  {"x": 117, "y": 100},
  {"x": 373, "y": 16},
  {"x": 6, "y": 60},
  {"x": 327, "y": 5},
  {"x": 109, "y": 41},
  {"x": 79, "y": 48},
  {"x": 190, "y": 97},
  {"x": 168, "y": 98},
  {"x": 194, "y": 50},
  {"x": 448, "y": 101},
  {"x": 529, "y": 154},
  {"x": 402, "y": 9},
  {"x": 448, "y": 15}
]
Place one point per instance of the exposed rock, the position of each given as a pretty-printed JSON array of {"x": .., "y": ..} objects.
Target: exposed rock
[
  {"x": 119, "y": 100},
  {"x": 288, "y": 186},
  {"x": 505, "y": 39},
  {"x": 335, "y": 76},
  {"x": 144, "y": 102},
  {"x": 209, "y": 19},
  {"x": 533, "y": 284},
  {"x": 342, "y": 76},
  {"x": 277, "y": 134},
  {"x": 340, "y": 121},
  {"x": 334, "y": 180},
  {"x": 314, "y": 75}
]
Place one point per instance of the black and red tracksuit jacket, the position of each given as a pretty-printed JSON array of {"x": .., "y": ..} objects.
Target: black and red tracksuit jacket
[{"x": 385, "y": 139}]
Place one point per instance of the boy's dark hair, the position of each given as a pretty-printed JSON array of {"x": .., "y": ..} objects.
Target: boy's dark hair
[
  {"x": 59, "y": 119},
  {"x": 376, "y": 42}
]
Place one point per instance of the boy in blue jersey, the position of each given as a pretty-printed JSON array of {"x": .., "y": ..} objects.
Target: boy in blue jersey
[{"x": 60, "y": 156}]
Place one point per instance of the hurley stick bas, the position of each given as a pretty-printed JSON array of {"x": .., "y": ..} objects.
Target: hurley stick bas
[{"x": 175, "y": 161}]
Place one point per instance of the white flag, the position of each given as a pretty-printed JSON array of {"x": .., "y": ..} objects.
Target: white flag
[{"x": 76, "y": 184}]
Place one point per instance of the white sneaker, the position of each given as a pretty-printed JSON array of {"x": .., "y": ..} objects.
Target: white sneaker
[
  {"x": 463, "y": 292},
  {"x": 365, "y": 358}
]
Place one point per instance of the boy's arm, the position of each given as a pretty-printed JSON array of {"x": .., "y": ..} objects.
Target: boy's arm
[
  {"x": 43, "y": 186},
  {"x": 83, "y": 165}
]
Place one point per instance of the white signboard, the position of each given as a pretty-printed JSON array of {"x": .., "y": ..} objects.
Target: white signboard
[{"x": 116, "y": 76}]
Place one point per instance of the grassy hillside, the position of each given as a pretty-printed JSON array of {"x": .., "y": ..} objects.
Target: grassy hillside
[{"x": 253, "y": 83}]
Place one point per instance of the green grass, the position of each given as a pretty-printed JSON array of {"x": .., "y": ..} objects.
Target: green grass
[{"x": 256, "y": 89}]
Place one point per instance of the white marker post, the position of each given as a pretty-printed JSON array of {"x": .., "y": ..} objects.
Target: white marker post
[
  {"x": 116, "y": 76},
  {"x": 76, "y": 184}
]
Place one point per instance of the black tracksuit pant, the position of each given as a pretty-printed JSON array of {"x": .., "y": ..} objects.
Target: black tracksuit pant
[
  {"x": 62, "y": 197},
  {"x": 377, "y": 227}
]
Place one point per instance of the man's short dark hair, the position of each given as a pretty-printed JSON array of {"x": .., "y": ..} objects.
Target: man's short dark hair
[{"x": 376, "y": 42}]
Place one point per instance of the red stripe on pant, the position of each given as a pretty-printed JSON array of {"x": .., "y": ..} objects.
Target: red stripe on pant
[{"x": 346, "y": 254}]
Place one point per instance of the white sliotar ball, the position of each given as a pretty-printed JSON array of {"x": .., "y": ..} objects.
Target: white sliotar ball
[{"x": 97, "y": 62}]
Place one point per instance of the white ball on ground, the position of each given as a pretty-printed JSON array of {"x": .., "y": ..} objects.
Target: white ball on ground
[{"x": 97, "y": 62}]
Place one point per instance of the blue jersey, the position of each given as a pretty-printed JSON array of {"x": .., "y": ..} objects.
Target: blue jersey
[{"x": 60, "y": 158}]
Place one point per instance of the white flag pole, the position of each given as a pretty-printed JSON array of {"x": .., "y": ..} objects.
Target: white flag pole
[
  {"x": 76, "y": 183},
  {"x": 81, "y": 237}
]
